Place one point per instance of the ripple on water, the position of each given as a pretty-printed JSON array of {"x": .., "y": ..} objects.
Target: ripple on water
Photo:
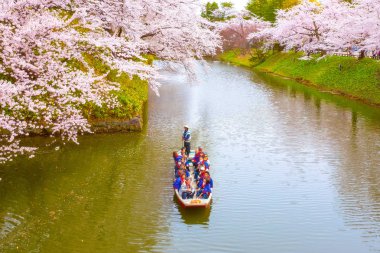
[
  {"x": 10, "y": 222},
  {"x": 295, "y": 171}
]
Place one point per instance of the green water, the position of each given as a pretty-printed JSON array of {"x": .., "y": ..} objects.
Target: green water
[{"x": 295, "y": 170}]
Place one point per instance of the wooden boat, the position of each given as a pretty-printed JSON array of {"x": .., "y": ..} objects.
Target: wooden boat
[{"x": 193, "y": 202}]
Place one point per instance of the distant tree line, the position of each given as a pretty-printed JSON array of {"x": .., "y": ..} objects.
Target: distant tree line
[{"x": 264, "y": 9}]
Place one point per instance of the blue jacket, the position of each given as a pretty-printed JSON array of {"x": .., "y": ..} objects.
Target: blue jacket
[
  {"x": 200, "y": 182},
  {"x": 206, "y": 189},
  {"x": 178, "y": 158},
  {"x": 211, "y": 183},
  {"x": 206, "y": 164},
  {"x": 177, "y": 183},
  {"x": 186, "y": 173},
  {"x": 186, "y": 135}
]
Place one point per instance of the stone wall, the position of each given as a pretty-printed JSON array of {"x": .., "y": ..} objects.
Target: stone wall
[
  {"x": 99, "y": 126},
  {"x": 116, "y": 125}
]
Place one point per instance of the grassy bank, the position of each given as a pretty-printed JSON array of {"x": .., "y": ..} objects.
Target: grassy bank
[
  {"x": 132, "y": 95},
  {"x": 236, "y": 57},
  {"x": 358, "y": 79}
]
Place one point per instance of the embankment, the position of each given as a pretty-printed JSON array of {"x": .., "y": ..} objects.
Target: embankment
[
  {"x": 347, "y": 76},
  {"x": 132, "y": 96},
  {"x": 235, "y": 57}
]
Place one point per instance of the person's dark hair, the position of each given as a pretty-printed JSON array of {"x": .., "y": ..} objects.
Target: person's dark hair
[
  {"x": 175, "y": 154},
  {"x": 208, "y": 173}
]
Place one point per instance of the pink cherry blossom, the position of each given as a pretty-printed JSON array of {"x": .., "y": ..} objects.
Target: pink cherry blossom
[
  {"x": 40, "y": 89},
  {"x": 236, "y": 31},
  {"x": 327, "y": 26}
]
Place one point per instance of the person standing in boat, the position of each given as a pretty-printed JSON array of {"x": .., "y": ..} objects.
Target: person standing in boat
[{"x": 186, "y": 137}]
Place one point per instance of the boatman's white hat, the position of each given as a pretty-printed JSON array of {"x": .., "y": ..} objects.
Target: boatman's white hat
[{"x": 186, "y": 126}]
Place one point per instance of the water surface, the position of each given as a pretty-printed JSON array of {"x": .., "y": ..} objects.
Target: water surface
[{"x": 295, "y": 171}]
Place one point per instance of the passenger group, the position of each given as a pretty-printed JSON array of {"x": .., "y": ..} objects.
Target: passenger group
[{"x": 203, "y": 182}]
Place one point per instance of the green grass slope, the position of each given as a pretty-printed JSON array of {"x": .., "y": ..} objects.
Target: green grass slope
[
  {"x": 355, "y": 78},
  {"x": 235, "y": 57},
  {"x": 348, "y": 76}
]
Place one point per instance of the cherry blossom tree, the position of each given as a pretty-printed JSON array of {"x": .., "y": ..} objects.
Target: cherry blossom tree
[
  {"x": 354, "y": 24},
  {"x": 326, "y": 26},
  {"x": 236, "y": 30},
  {"x": 369, "y": 14},
  {"x": 169, "y": 29},
  {"x": 300, "y": 27},
  {"x": 40, "y": 89},
  {"x": 44, "y": 77}
]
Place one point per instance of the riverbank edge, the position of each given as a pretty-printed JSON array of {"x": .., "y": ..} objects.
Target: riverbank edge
[
  {"x": 344, "y": 76},
  {"x": 107, "y": 125},
  {"x": 110, "y": 123},
  {"x": 114, "y": 125}
]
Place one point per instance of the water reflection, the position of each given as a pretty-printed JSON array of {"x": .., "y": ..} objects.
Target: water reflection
[
  {"x": 352, "y": 131},
  {"x": 358, "y": 177},
  {"x": 193, "y": 216},
  {"x": 92, "y": 196}
]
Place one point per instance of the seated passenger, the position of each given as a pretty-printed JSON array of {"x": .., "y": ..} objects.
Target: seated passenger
[
  {"x": 177, "y": 183},
  {"x": 185, "y": 189},
  {"x": 202, "y": 172},
  {"x": 206, "y": 162},
  {"x": 200, "y": 183},
  {"x": 182, "y": 171},
  {"x": 187, "y": 165},
  {"x": 208, "y": 177},
  {"x": 184, "y": 159},
  {"x": 198, "y": 172},
  {"x": 177, "y": 167},
  {"x": 177, "y": 161},
  {"x": 197, "y": 156},
  {"x": 200, "y": 162},
  {"x": 176, "y": 156},
  {"x": 183, "y": 151},
  {"x": 205, "y": 190}
]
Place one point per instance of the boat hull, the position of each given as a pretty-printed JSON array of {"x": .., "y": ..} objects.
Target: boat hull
[{"x": 193, "y": 203}]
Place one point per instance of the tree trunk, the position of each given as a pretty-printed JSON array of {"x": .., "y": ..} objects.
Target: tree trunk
[{"x": 361, "y": 54}]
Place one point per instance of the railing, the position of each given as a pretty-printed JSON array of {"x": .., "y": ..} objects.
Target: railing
[{"x": 373, "y": 55}]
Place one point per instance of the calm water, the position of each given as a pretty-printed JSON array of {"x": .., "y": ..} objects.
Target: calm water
[{"x": 295, "y": 171}]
